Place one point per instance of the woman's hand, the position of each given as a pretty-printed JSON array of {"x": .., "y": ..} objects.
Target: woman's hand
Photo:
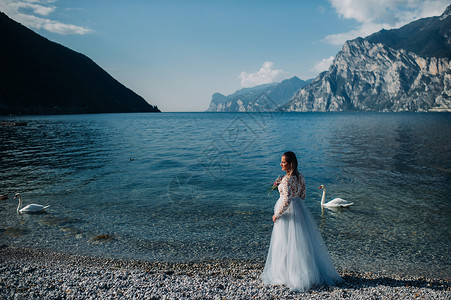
[{"x": 274, "y": 219}]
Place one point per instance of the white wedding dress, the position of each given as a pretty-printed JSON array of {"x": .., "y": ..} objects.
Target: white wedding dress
[{"x": 297, "y": 254}]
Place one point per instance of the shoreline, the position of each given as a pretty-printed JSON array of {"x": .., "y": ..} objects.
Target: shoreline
[{"x": 27, "y": 273}]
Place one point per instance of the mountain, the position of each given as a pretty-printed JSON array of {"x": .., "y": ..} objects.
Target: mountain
[
  {"x": 264, "y": 97},
  {"x": 428, "y": 37},
  {"x": 405, "y": 69},
  {"x": 42, "y": 77}
]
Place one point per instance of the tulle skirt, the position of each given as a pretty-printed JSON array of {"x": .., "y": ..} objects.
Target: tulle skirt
[{"x": 297, "y": 254}]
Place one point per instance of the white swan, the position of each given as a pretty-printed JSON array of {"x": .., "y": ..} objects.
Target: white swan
[
  {"x": 31, "y": 208},
  {"x": 337, "y": 202}
]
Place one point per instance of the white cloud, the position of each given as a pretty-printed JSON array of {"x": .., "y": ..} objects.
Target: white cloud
[
  {"x": 265, "y": 75},
  {"x": 373, "y": 15},
  {"x": 35, "y": 14},
  {"x": 36, "y": 8},
  {"x": 61, "y": 28},
  {"x": 322, "y": 65}
]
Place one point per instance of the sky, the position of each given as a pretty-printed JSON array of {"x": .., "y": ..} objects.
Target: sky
[{"x": 177, "y": 53}]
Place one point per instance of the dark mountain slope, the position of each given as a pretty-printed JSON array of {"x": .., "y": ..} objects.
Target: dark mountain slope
[
  {"x": 428, "y": 37},
  {"x": 42, "y": 77}
]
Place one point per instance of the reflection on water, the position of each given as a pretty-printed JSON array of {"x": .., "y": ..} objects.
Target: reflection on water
[{"x": 190, "y": 186}]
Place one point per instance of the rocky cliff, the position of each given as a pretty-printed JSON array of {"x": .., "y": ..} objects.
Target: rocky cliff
[
  {"x": 265, "y": 97},
  {"x": 406, "y": 69},
  {"x": 42, "y": 77}
]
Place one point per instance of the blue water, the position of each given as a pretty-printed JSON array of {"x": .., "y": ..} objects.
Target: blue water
[{"x": 194, "y": 186}]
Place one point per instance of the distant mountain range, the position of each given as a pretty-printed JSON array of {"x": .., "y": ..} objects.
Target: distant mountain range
[
  {"x": 42, "y": 77},
  {"x": 266, "y": 97},
  {"x": 405, "y": 69}
]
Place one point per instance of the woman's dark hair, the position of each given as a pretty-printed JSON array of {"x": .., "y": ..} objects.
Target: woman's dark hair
[{"x": 293, "y": 162}]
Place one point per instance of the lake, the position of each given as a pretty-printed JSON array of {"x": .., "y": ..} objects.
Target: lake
[{"x": 194, "y": 186}]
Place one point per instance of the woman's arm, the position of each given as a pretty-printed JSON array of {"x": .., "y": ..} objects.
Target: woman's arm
[{"x": 286, "y": 195}]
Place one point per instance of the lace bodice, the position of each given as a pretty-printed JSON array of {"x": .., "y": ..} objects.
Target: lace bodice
[{"x": 289, "y": 188}]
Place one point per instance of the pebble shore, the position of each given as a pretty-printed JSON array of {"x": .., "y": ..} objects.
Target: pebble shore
[{"x": 40, "y": 274}]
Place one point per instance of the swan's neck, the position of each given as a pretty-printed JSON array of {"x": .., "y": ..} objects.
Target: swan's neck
[
  {"x": 323, "y": 198},
  {"x": 20, "y": 203}
]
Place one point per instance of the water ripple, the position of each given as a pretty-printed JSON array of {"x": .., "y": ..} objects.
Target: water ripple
[{"x": 190, "y": 186}]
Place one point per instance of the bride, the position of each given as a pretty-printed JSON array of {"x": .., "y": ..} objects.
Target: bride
[{"x": 297, "y": 254}]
